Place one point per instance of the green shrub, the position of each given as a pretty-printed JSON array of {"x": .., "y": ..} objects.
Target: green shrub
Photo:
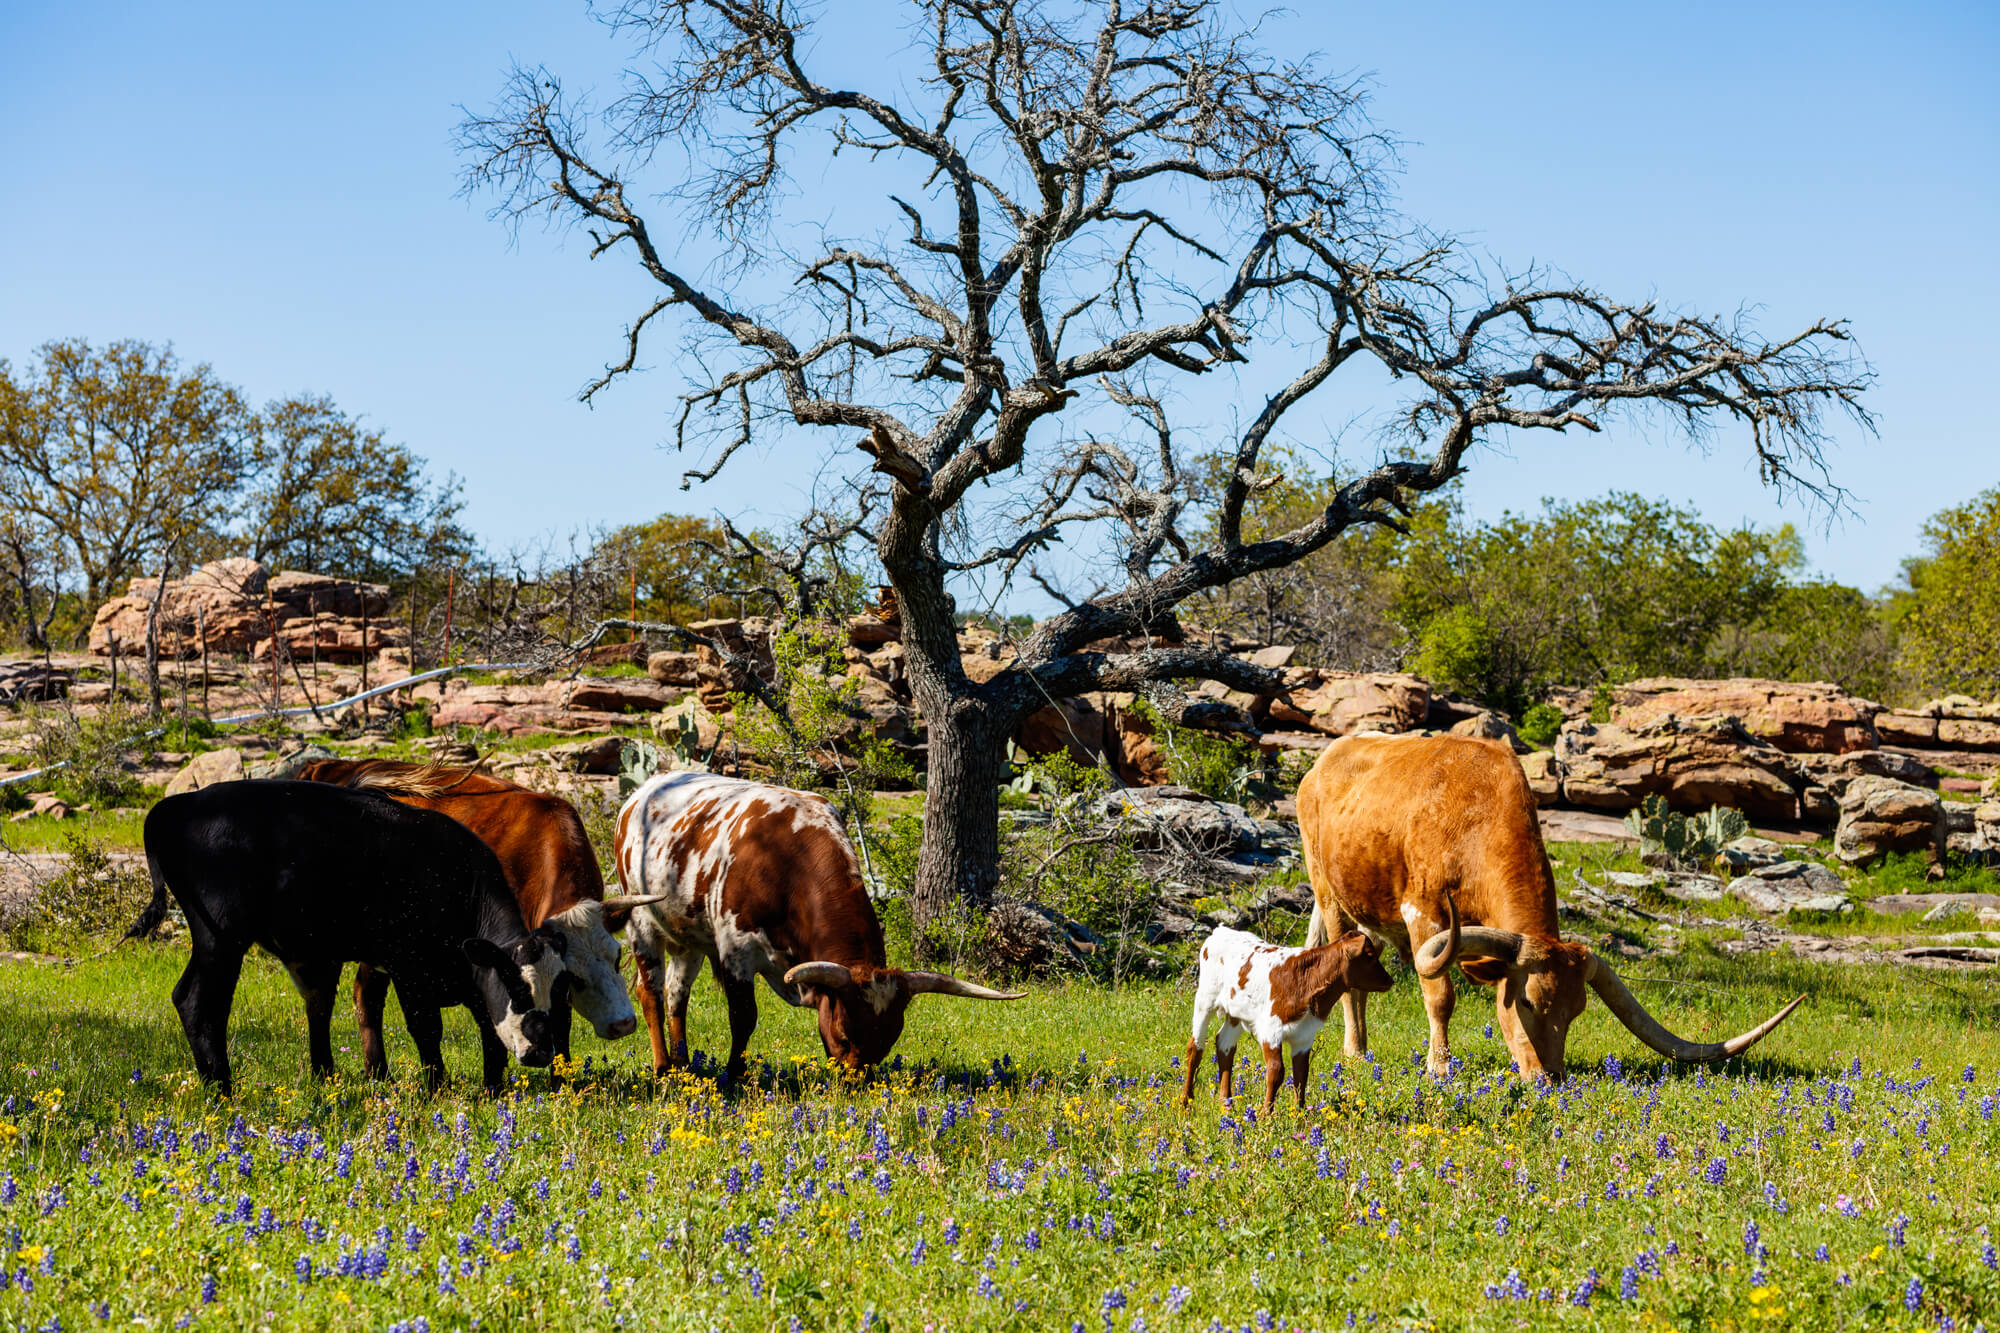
[
  {"x": 91, "y": 897},
  {"x": 91, "y": 751},
  {"x": 1541, "y": 725}
]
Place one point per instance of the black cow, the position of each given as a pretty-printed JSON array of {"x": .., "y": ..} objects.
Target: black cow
[{"x": 321, "y": 876}]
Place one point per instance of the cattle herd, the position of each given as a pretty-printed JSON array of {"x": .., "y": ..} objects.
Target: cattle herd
[{"x": 460, "y": 889}]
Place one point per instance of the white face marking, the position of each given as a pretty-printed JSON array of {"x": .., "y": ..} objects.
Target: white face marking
[
  {"x": 540, "y": 977},
  {"x": 880, "y": 992},
  {"x": 1410, "y": 914},
  {"x": 596, "y": 990}
]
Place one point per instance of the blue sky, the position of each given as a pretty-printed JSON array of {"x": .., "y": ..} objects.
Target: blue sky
[{"x": 273, "y": 188}]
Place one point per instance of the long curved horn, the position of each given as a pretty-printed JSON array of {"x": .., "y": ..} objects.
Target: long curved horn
[
  {"x": 1471, "y": 942},
  {"x": 1646, "y": 1028},
  {"x": 818, "y": 974},
  {"x": 625, "y": 902},
  {"x": 937, "y": 983},
  {"x": 1431, "y": 964}
]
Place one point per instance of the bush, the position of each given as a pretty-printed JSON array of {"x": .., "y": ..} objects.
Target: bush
[
  {"x": 1541, "y": 725},
  {"x": 93, "y": 896},
  {"x": 1219, "y": 767},
  {"x": 91, "y": 752}
]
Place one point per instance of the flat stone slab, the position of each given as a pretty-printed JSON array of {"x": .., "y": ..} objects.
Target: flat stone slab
[
  {"x": 1792, "y": 886},
  {"x": 1909, "y": 904}
]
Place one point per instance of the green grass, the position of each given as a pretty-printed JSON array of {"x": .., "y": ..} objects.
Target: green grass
[
  {"x": 122, "y": 830},
  {"x": 999, "y": 1132}
]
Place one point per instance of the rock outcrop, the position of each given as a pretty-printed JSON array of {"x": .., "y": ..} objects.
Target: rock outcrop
[
  {"x": 1691, "y": 763},
  {"x": 1810, "y": 718},
  {"x": 235, "y": 606},
  {"x": 1954, "y": 722}
]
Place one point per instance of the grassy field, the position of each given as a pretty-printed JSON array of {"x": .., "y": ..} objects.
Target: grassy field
[{"x": 1020, "y": 1166}]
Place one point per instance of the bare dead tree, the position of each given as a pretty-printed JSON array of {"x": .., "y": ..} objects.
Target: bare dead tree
[{"x": 1096, "y": 204}]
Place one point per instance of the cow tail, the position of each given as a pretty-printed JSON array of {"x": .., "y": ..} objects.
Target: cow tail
[{"x": 156, "y": 910}]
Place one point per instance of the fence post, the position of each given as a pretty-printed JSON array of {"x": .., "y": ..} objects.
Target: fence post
[
  {"x": 364, "y": 656},
  {"x": 201, "y": 632}
]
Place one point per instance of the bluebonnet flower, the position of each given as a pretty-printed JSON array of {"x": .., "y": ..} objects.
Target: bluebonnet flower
[
  {"x": 1913, "y": 1295},
  {"x": 1717, "y": 1172}
]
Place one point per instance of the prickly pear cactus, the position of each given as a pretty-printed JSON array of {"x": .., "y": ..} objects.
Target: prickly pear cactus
[{"x": 637, "y": 761}]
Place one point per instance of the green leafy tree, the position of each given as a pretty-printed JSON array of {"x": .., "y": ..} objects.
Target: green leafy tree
[
  {"x": 1950, "y": 615},
  {"x": 327, "y": 493},
  {"x": 121, "y": 456}
]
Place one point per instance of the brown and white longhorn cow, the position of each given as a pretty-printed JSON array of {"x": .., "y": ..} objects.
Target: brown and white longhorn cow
[
  {"x": 760, "y": 881},
  {"x": 549, "y": 865},
  {"x": 1406, "y": 836}
]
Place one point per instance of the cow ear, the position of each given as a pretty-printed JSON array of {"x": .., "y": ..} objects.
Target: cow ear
[
  {"x": 555, "y": 939},
  {"x": 482, "y": 952}
]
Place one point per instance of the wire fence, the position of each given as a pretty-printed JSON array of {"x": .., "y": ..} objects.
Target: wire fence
[{"x": 264, "y": 714}]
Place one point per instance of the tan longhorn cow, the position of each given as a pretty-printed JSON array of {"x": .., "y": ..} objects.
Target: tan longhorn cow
[{"x": 1407, "y": 836}]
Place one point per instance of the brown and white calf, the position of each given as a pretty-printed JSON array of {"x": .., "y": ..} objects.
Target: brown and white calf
[
  {"x": 1282, "y": 995},
  {"x": 762, "y": 882}
]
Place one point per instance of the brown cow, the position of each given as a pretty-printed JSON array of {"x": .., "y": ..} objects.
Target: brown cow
[
  {"x": 549, "y": 865},
  {"x": 1406, "y": 835},
  {"x": 760, "y": 881}
]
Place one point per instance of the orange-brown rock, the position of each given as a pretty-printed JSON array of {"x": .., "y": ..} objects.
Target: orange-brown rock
[
  {"x": 1134, "y": 749},
  {"x": 1955, "y": 722},
  {"x": 1693, "y": 763},
  {"x": 331, "y": 639},
  {"x": 1071, "y": 726},
  {"x": 672, "y": 668},
  {"x": 1544, "y": 776},
  {"x": 233, "y": 604},
  {"x": 1813, "y": 717},
  {"x": 1340, "y": 703},
  {"x": 617, "y": 694}
]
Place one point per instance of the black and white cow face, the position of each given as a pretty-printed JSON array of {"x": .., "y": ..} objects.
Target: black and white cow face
[{"x": 517, "y": 985}]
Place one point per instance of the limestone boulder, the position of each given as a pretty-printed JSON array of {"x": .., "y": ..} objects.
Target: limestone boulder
[
  {"x": 286, "y": 766},
  {"x": 1164, "y": 817},
  {"x": 1692, "y": 764},
  {"x": 1341, "y": 703},
  {"x": 1131, "y": 743},
  {"x": 1955, "y": 722},
  {"x": 617, "y": 694},
  {"x": 1544, "y": 776},
  {"x": 1879, "y": 815},
  {"x": 1792, "y": 886},
  {"x": 207, "y": 769},
  {"x": 1069, "y": 726},
  {"x": 1489, "y": 726},
  {"x": 327, "y": 638},
  {"x": 1809, "y": 718},
  {"x": 1835, "y": 771},
  {"x": 673, "y": 668}
]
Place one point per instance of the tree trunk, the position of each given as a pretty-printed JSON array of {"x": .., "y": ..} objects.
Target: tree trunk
[{"x": 959, "y": 866}]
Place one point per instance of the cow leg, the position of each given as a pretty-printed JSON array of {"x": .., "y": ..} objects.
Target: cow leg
[
  {"x": 741, "y": 993},
  {"x": 650, "y": 975},
  {"x": 1302, "y": 1063},
  {"x": 1225, "y": 1058},
  {"x": 1193, "y": 1064},
  {"x": 681, "y": 973},
  {"x": 493, "y": 1059},
  {"x": 1274, "y": 1076},
  {"x": 203, "y": 996},
  {"x": 560, "y": 1015},
  {"x": 1439, "y": 1000},
  {"x": 1354, "y": 1016},
  {"x": 317, "y": 984},
  {"x": 371, "y": 999},
  {"x": 425, "y": 1024}
]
